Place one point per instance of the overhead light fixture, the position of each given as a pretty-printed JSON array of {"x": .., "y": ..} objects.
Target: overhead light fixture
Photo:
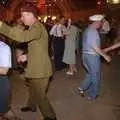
[
  {"x": 54, "y": 17},
  {"x": 116, "y": 1},
  {"x": 113, "y": 1}
]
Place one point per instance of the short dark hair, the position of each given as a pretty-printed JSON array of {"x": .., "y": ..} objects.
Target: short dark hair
[{"x": 30, "y": 8}]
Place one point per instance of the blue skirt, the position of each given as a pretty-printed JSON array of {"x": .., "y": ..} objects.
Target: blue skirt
[{"x": 4, "y": 94}]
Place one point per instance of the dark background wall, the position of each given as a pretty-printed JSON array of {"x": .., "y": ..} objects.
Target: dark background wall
[{"x": 80, "y": 4}]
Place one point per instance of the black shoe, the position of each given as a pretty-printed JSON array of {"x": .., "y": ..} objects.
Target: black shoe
[
  {"x": 27, "y": 109},
  {"x": 50, "y": 119},
  {"x": 80, "y": 92}
]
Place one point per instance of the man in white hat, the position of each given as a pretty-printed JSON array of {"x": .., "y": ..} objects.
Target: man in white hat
[{"x": 91, "y": 53}]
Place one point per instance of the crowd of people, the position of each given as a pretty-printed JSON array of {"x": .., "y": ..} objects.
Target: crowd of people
[{"x": 59, "y": 42}]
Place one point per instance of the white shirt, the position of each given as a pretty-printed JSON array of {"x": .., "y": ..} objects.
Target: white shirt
[
  {"x": 5, "y": 55},
  {"x": 58, "y": 30}
]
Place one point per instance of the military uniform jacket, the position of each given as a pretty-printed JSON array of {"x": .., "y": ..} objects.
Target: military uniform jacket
[{"x": 39, "y": 64}]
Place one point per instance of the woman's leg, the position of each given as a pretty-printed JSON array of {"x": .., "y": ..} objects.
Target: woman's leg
[{"x": 71, "y": 69}]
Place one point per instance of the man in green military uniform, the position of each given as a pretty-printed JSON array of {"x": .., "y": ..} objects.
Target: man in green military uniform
[{"x": 39, "y": 65}]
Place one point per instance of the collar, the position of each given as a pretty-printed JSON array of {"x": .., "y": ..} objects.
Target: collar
[{"x": 35, "y": 24}]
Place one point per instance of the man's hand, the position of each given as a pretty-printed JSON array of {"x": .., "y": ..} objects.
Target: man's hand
[
  {"x": 100, "y": 52},
  {"x": 22, "y": 58},
  {"x": 107, "y": 58}
]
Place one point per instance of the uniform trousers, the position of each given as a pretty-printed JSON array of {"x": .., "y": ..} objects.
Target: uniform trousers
[{"x": 38, "y": 97}]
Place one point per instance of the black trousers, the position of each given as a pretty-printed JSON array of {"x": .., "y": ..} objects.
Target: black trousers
[
  {"x": 59, "y": 45},
  {"x": 50, "y": 51}
]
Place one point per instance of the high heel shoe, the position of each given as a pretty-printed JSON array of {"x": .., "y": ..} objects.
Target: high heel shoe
[{"x": 69, "y": 73}]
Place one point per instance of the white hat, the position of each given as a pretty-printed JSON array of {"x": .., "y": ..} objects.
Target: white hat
[{"x": 97, "y": 17}]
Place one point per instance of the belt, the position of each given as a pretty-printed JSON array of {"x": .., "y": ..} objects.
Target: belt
[
  {"x": 1, "y": 75},
  {"x": 57, "y": 37}
]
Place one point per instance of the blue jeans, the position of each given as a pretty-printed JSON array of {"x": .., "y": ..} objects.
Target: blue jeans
[
  {"x": 4, "y": 94},
  {"x": 92, "y": 77}
]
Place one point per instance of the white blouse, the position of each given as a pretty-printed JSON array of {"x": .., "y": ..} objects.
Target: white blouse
[
  {"x": 58, "y": 30},
  {"x": 5, "y": 55}
]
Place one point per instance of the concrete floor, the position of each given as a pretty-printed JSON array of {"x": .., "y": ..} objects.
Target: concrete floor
[{"x": 69, "y": 105}]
